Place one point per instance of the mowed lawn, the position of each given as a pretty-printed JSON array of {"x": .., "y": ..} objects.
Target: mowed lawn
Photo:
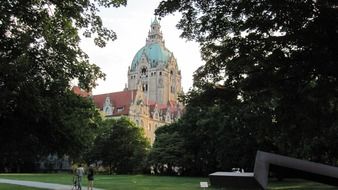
[
  {"x": 117, "y": 182},
  {"x": 144, "y": 182},
  {"x": 15, "y": 187}
]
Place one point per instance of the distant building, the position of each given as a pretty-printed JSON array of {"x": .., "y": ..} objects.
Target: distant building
[{"x": 154, "y": 84}]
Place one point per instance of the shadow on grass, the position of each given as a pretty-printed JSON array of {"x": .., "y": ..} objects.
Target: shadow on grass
[
  {"x": 290, "y": 184},
  {"x": 16, "y": 187},
  {"x": 297, "y": 184}
]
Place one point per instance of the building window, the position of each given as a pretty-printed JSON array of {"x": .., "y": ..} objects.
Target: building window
[
  {"x": 145, "y": 87},
  {"x": 160, "y": 73},
  {"x": 172, "y": 89},
  {"x": 120, "y": 109},
  {"x": 144, "y": 71}
]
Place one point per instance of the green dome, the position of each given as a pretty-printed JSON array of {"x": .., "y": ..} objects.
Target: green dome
[{"x": 155, "y": 54}]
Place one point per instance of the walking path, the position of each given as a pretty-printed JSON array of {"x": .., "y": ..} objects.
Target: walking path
[{"x": 41, "y": 185}]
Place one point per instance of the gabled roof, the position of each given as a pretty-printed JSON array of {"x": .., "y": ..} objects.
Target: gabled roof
[
  {"x": 120, "y": 100},
  {"x": 171, "y": 106}
]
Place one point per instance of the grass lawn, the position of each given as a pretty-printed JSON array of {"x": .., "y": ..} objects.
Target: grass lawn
[
  {"x": 118, "y": 182},
  {"x": 144, "y": 182},
  {"x": 16, "y": 187},
  {"x": 297, "y": 184}
]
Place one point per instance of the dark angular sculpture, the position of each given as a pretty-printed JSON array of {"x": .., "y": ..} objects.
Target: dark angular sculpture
[
  {"x": 234, "y": 180},
  {"x": 282, "y": 166}
]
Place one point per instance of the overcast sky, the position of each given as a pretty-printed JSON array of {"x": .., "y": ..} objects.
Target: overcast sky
[{"x": 131, "y": 24}]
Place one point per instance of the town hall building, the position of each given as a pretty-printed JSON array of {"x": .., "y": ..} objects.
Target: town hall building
[{"x": 154, "y": 83}]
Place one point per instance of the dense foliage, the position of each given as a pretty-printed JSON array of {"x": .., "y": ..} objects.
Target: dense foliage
[
  {"x": 209, "y": 137},
  {"x": 269, "y": 82},
  {"x": 167, "y": 153},
  {"x": 121, "y": 146},
  {"x": 39, "y": 57}
]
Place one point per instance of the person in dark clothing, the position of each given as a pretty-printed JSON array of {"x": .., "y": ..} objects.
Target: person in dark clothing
[{"x": 90, "y": 177}]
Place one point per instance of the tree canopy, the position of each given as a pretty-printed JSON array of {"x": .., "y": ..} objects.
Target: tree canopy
[
  {"x": 167, "y": 151},
  {"x": 39, "y": 57},
  {"x": 121, "y": 146},
  {"x": 271, "y": 67}
]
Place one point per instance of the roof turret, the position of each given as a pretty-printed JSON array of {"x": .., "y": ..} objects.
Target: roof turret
[
  {"x": 154, "y": 50},
  {"x": 155, "y": 34}
]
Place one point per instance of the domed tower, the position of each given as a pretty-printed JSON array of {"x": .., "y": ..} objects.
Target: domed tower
[{"x": 154, "y": 69}]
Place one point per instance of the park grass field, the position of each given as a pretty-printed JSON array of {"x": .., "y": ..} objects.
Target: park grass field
[
  {"x": 144, "y": 182},
  {"x": 16, "y": 187}
]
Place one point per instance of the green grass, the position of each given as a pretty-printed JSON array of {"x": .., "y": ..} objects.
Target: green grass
[
  {"x": 15, "y": 187},
  {"x": 297, "y": 184},
  {"x": 62, "y": 178},
  {"x": 118, "y": 182},
  {"x": 144, "y": 182}
]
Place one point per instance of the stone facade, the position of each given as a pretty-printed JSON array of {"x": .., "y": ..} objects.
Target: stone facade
[{"x": 154, "y": 84}]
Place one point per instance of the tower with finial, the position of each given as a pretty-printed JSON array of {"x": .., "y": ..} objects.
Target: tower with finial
[
  {"x": 155, "y": 68},
  {"x": 155, "y": 34}
]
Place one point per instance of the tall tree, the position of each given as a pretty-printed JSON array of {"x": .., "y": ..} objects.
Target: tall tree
[
  {"x": 214, "y": 134},
  {"x": 166, "y": 155},
  {"x": 279, "y": 58},
  {"x": 39, "y": 57},
  {"x": 121, "y": 146}
]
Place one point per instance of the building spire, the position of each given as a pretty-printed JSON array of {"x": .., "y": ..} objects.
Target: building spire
[{"x": 155, "y": 33}]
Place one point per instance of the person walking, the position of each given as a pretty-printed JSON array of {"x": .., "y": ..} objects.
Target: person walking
[
  {"x": 90, "y": 177},
  {"x": 79, "y": 173}
]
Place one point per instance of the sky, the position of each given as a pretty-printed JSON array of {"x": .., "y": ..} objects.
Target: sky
[{"x": 131, "y": 24}]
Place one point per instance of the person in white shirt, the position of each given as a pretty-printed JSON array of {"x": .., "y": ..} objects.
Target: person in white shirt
[{"x": 79, "y": 173}]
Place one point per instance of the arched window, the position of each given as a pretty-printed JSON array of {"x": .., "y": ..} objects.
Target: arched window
[
  {"x": 172, "y": 89},
  {"x": 145, "y": 87},
  {"x": 144, "y": 71}
]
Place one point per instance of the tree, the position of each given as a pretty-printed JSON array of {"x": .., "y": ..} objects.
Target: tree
[
  {"x": 39, "y": 57},
  {"x": 213, "y": 135},
  {"x": 121, "y": 146},
  {"x": 279, "y": 58},
  {"x": 165, "y": 157}
]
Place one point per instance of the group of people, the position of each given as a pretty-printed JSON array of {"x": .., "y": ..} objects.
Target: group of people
[{"x": 80, "y": 172}]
